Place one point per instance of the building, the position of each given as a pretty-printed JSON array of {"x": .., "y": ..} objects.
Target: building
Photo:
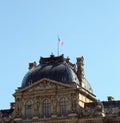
[{"x": 56, "y": 91}]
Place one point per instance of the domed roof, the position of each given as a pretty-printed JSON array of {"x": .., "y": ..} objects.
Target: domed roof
[
  {"x": 54, "y": 68},
  {"x": 87, "y": 85}
]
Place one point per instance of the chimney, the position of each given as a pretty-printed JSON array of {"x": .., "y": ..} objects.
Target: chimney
[
  {"x": 32, "y": 65},
  {"x": 110, "y": 98},
  {"x": 80, "y": 68}
]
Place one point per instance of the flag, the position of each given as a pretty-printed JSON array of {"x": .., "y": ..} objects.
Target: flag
[
  {"x": 58, "y": 39},
  {"x": 62, "y": 42},
  {"x": 59, "y": 43}
]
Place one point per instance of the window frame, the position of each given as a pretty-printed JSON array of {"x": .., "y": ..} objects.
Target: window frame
[{"x": 46, "y": 104}]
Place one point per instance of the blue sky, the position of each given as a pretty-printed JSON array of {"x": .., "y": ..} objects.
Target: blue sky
[{"x": 89, "y": 28}]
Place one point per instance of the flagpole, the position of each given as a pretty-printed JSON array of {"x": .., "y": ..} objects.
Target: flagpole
[
  {"x": 59, "y": 42},
  {"x": 58, "y": 45},
  {"x": 58, "y": 48}
]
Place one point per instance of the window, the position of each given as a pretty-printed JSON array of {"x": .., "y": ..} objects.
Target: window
[
  {"x": 62, "y": 106},
  {"x": 28, "y": 109},
  {"x": 46, "y": 107}
]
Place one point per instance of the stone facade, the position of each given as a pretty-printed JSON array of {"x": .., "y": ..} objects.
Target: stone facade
[{"x": 50, "y": 101}]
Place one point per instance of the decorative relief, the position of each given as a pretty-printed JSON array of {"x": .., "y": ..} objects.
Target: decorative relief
[
  {"x": 87, "y": 112},
  {"x": 96, "y": 111},
  {"x": 45, "y": 85},
  {"x": 36, "y": 106},
  {"x": 109, "y": 111},
  {"x": 74, "y": 103},
  {"x": 18, "y": 107},
  {"x": 55, "y": 104},
  {"x": 30, "y": 90}
]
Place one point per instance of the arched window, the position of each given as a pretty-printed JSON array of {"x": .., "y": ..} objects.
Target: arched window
[
  {"x": 46, "y": 107},
  {"x": 62, "y": 106},
  {"x": 28, "y": 109}
]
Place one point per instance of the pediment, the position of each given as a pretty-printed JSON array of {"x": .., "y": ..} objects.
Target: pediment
[{"x": 45, "y": 84}]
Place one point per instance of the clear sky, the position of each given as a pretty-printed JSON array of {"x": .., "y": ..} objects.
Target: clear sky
[{"x": 89, "y": 28}]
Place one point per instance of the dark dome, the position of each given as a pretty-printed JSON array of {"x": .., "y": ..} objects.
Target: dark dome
[{"x": 54, "y": 68}]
